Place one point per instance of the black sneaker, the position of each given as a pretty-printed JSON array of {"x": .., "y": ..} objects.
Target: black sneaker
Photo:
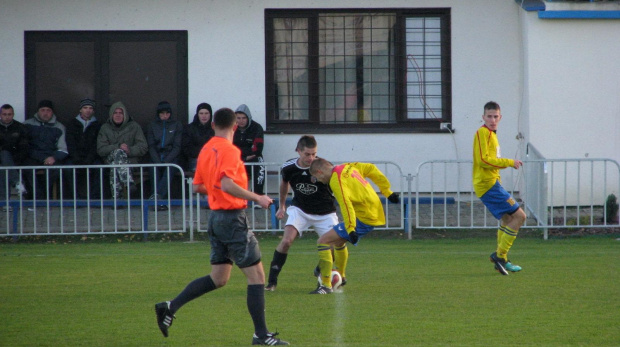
[
  {"x": 344, "y": 281},
  {"x": 164, "y": 317},
  {"x": 321, "y": 289},
  {"x": 500, "y": 264},
  {"x": 269, "y": 340},
  {"x": 317, "y": 271},
  {"x": 271, "y": 287}
]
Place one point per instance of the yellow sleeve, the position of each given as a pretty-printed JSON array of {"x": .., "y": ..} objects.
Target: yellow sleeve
[
  {"x": 485, "y": 151},
  {"x": 340, "y": 188},
  {"x": 371, "y": 171}
]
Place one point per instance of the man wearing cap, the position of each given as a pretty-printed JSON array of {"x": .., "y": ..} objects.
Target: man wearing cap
[
  {"x": 47, "y": 146},
  {"x": 82, "y": 134},
  {"x": 163, "y": 136}
]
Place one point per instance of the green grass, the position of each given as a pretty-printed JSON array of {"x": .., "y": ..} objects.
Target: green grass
[{"x": 400, "y": 293}]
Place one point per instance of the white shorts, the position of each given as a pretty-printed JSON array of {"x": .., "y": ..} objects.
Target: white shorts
[{"x": 302, "y": 221}]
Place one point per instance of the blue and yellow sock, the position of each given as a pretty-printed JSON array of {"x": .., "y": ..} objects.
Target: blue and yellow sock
[
  {"x": 505, "y": 241},
  {"x": 342, "y": 257},
  {"x": 326, "y": 263}
]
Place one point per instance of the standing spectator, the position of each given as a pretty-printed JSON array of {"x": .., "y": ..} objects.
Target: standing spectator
[
  {"x": 487, "y": 186},
  {"x": 250, "y": 140},
  {"x": 13, "y": 150},
  {"x": 121, "y": 141},
  {"x": 47, "y": 146},
  {"x": 196, "y": 134},
  {"x": 221, "y": 176},
  {"x": 163, "y": 136},
  {"x": 82, "y": 132}
]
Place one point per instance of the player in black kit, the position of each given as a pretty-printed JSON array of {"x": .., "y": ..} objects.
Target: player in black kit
[{"x": 313, "y": 205}]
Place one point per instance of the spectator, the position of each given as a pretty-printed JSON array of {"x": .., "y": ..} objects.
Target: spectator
[
  {"x": 196, "y": 134},
  {"x": 163, "y": 136},
  {"x": 82, "y": 134},
  {"x": 249, "y": 139},
  {"x": 13, "y": 150},
  {"x": 121, "y": 141},
  {"x": 47, "y": 146}
]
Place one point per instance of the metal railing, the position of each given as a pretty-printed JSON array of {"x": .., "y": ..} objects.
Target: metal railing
[
  {"x": 56, "y": 204},
  {"x": 554, "y": 193}
]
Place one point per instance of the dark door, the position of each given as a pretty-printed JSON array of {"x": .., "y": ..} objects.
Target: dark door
[{"x": 139, "y": 68}]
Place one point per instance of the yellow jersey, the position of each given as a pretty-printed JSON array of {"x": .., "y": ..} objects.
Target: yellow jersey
[
  {"x": 487, "y": 161},
  {"x": 356, "y": 196}
]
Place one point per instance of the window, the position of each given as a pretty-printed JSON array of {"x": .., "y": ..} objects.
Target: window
[
  {"x": 139, "y": 68},
  {"x": 362, "y": 70}
]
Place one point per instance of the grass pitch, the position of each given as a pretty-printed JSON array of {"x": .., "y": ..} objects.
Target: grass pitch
[{"x": 399, "y": 293}]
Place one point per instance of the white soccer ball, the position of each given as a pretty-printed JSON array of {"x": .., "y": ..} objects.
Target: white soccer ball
[{"x": 336, "y": 280}]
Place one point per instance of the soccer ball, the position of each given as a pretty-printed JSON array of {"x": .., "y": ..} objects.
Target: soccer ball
[{"x": 336, "y": 280}]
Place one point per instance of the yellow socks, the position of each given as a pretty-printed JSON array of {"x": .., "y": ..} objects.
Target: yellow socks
[
  {"x": 505, "y": 238},
  {"x": 342, "y": 257},
  {"x": 326, "y": 263}
]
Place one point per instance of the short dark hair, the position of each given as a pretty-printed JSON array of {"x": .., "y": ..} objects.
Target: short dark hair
[
  {"x": 6, "y": 107},
  {"x": 492, "y": 105},
  {"x": 319, "y": 164},
  {"x": 306, "y": 141},
  {"x": 224, "y": 118}
]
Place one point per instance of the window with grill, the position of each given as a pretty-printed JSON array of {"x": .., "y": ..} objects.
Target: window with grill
[{"x": 368, "y": 70}]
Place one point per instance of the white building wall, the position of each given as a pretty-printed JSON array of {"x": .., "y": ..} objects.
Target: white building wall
[
  {"x": 557, "y": 81},
  {"x": 226, "y": 64},
  {"x": 574, "y": 87}
]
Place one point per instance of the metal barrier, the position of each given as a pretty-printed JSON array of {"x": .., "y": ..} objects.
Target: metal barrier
[
  {"x": 555, "y": 193},
  {"x": 57, "y": 206},
  {"x": 444, "y": 197},
  {"x": 263, "y": 220}
]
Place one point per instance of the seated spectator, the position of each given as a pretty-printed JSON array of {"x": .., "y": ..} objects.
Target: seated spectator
[
  {"x": 82, "y": 134},
  {"x": 249, "y": 138},
  {"x": 196, "y": 134},
  {"x": 47, "y": 146},
  {"x": 163, "y": 136},
  {"x": 121, "y": 141},
  {"x": 13, "y": 151}
]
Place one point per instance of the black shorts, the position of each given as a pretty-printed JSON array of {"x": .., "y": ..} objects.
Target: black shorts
[{"x": 231, "y": 240}]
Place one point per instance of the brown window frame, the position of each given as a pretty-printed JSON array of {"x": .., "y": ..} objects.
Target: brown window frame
[{"x": 399, "y": 122}]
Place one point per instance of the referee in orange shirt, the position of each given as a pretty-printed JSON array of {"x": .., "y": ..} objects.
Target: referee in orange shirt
[{"x": 221, "y": 175}]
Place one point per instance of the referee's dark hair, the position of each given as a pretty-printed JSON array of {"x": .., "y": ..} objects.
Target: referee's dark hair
[
  {"x": 306, "y": 141},
  {"x": 224, "y": 118}
]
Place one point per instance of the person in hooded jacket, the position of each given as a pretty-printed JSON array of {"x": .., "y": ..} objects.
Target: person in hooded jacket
[
  {"x": 250, "y": 140},
  {"x": 196, "y": 134},
  {"x": 121, "y": 141},
  {"x": 47, "y": 146},
  {"x": 163, "y": 136}
]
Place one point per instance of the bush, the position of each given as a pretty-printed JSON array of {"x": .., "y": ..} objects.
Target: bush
[{"x": 611, "y": 209}]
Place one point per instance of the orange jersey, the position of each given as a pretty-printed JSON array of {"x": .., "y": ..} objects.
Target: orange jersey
[{"x": 219, "y": 158}]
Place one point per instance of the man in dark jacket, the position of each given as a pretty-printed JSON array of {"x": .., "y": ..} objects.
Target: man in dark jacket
[
  {"x": 81, "y": 136},
  {"x": 196, "y": 134},
  {"x": 250, "y": 140},
  {"x": 163, "y": 136},
  {"x": 13, "y": 150},
  {"x": 47, "y": 146}
]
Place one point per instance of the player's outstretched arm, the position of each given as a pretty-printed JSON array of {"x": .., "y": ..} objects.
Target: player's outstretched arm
[
  {"x": 229, "y": 186},
  {"x": 283, "y": 195}
]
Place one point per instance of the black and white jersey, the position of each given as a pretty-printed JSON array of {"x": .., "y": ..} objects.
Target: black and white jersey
[{"x": 310, "y": 195}]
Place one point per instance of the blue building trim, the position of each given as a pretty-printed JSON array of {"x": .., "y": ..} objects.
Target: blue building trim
[
  {"x": 531, "y": 5},
  {"x": 579, "y": 14}
]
